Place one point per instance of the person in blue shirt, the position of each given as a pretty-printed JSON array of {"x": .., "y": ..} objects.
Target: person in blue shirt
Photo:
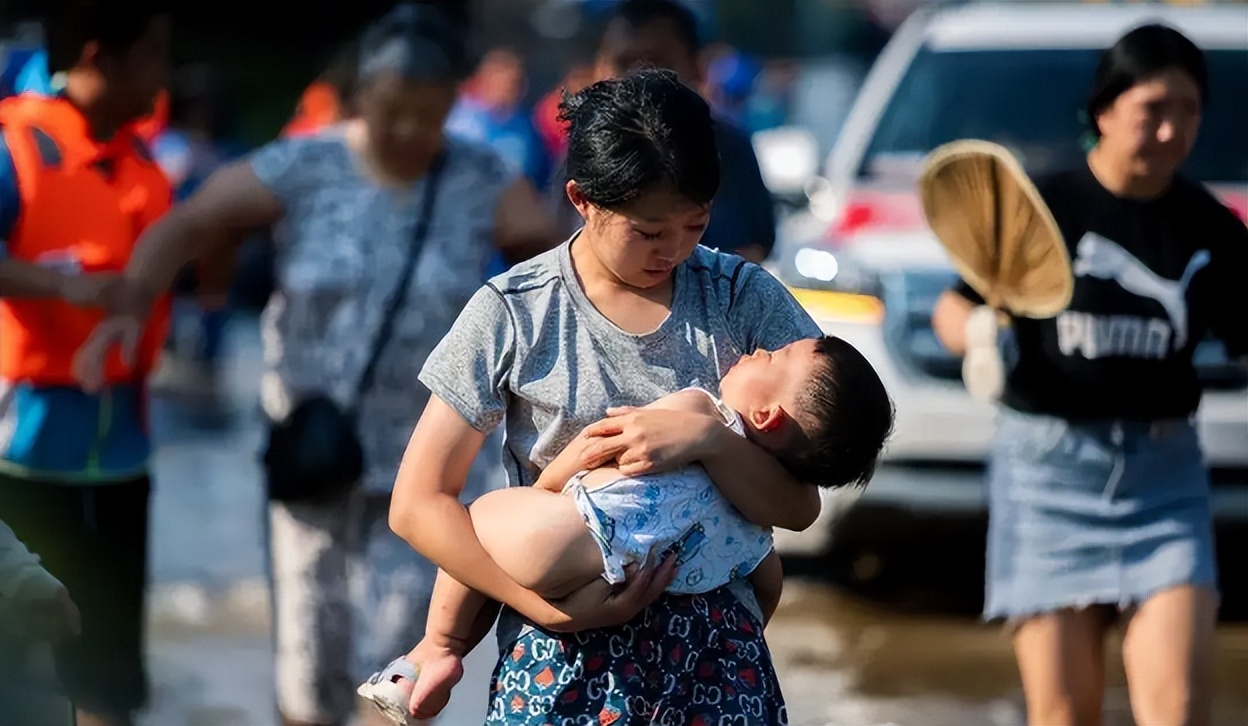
[
  {"x": 664, "y": 34},
  {"x": 489, "y": 110}
]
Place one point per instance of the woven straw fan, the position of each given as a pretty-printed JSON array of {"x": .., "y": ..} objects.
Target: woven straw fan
[{"x": 996, "y": 227}]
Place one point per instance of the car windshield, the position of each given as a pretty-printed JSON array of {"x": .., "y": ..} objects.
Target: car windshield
[{"x": 1032, "y": 101}]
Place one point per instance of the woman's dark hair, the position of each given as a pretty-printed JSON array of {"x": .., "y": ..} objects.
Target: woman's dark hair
[
  {"x": 645, "y": 131},
  {"x": 115, "y": 24},
  {"x": 1142, "y": 54},
  {"x": 418, "y": 41}
]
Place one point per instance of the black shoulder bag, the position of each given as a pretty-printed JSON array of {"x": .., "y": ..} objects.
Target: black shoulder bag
[{"x": 315, "y": 452}]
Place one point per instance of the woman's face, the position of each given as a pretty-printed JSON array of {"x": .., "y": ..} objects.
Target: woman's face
[
  {"x": 404, "y": 121},
  {"x": 640, "y": 243},
  {"x": 1151, "y": 127}
]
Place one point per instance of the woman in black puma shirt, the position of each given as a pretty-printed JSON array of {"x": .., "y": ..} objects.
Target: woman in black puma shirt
[{"x": 1098, "y": 494}]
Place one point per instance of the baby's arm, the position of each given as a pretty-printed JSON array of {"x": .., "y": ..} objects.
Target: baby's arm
[
  {"x": 768, "y": 582},
  {"x": 569, "y": 461}
]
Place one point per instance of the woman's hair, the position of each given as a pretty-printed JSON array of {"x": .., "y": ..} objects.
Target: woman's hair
[
  {"x": 416, "y": 41},
  {"x": 640, "y": 133},
  {"x": 1142, "y": 54}
]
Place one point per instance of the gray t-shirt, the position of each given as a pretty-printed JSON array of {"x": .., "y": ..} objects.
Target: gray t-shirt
[
  {"x": 340, "y": 251},
  {"x": 532, "y": 352}
]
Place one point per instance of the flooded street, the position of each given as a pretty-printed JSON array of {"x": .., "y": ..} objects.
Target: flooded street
[
  {"x": 845, "y": 662},
  {"x": 904, "y": 649}
]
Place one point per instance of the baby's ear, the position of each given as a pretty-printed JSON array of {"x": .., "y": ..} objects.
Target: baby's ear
[{"x": 768, "y": 418}]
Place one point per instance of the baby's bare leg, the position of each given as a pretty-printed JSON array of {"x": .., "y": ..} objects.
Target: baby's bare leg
[
  {"x": 538, "y": 538},
  {"x": 540, "y": 541}
]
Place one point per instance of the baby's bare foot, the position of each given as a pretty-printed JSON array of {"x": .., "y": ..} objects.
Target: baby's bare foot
[{"x": 438, "y": 674}]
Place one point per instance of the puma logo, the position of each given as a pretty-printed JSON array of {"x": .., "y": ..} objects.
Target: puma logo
[{"x": 1105, "y": 259}]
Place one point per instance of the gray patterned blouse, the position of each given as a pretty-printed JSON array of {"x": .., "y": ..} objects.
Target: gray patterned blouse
[{"x": 340, "y": 250}]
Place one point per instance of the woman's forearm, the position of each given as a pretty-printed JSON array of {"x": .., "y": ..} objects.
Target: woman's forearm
[
  {"x": 231, "y": 203},
  {"x": 19, "y": 279},
  {"x": 758, "y": 486},
  {"x": 167, "y": 246},
  {"x": 438, "y": 527},
  {"x": 459, "y": 617}
]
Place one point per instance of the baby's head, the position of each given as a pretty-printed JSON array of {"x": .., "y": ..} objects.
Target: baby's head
[{"x": 817, "y": 405}]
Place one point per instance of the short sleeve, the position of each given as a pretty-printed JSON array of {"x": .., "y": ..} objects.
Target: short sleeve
[
  {"x": 282, "y": 166},
  {"x": 10, "y": 199},
  {"x": 469, "y": 368},
  {"x": 765, "y": 313}
]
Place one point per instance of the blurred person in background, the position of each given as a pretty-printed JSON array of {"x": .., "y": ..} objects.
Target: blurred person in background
[
  {"x": 728, "y": 83},
  {"x": 664, "y": 34},
  {"x": 77, "y": 186},
  {"x": 34, "y": 77},
  {"x": 348, "y": 593},
  {"x": 552, "y": 131},
  {"x": 199, "y": 135},
  {"x": 1099, "y": 498},
  {"x": 328, "y": 99},
  {"x": 326, "y": 102},
  {"x": 770, "y": 102},
  {"x": 198, "y": 138},
  {"x": 489, "y": 111}
]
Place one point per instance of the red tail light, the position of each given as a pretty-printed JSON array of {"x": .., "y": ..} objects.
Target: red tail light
[
  {"x": 1234, "y": 198},
  {"x": 875, "y": 211}
]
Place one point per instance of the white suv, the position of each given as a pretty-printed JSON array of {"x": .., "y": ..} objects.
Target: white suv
[{"x": 864, "y": 263}]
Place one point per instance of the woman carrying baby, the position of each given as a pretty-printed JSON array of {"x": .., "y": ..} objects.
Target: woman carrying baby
[{"x": 628, "y": 310}]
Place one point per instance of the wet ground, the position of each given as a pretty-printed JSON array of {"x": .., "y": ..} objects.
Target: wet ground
[{"x": 878, "y": 634}]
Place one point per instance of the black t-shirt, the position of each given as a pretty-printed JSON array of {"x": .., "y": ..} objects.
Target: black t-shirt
[{"x": 1152, "y": 278}]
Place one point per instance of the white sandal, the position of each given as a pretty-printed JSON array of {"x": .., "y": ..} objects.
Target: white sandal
[{"x": 384, "y": 692}]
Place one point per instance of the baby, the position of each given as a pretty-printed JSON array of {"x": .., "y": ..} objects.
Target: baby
[{"x": 816, "y": 405}]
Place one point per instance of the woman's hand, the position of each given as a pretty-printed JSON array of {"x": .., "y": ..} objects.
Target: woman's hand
[
  {"x": 601, "y": 604},
  {"x": 97, "y": 290},
  {"x": 644, "y": 440},
  {"x": 89, "y": 362}
]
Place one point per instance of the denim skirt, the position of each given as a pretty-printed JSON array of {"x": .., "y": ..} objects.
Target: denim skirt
[{"x": 1094, "y": 513}]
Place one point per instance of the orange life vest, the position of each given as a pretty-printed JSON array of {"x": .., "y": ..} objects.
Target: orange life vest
[
  {"x": 83, "y": 205},
  {"x": 319, "y": 107}
]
